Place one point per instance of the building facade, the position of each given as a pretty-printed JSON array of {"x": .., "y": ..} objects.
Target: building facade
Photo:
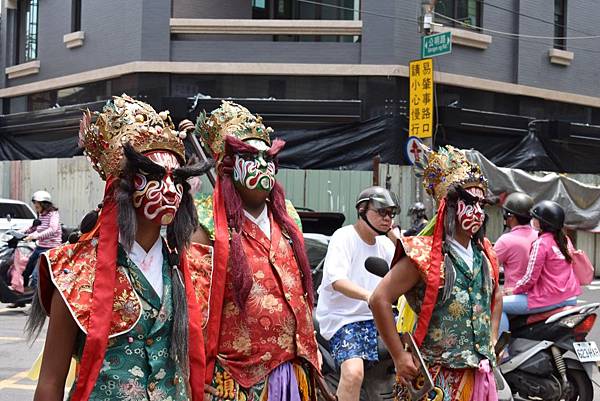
[{"x": 508, "y": 59}]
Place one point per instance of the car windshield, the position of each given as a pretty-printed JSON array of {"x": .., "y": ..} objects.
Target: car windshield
[{"x": 16, "y": 211}]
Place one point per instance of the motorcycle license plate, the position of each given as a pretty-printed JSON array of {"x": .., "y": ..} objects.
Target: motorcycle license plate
[{"x": 587, "y": 351}]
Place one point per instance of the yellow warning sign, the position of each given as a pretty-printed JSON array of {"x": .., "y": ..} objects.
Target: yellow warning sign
[{"x": 421, "y": 98}]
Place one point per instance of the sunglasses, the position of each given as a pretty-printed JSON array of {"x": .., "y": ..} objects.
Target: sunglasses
[{"x": 385, "y": 212}]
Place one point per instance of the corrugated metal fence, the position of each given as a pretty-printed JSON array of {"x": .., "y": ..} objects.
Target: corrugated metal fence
[{"x": 76, "y": 189}]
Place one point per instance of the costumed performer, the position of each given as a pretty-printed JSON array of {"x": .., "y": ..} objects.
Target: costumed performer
[
  {"x": 124, "y": 300},
  {"x": 450, "y": 279},
  {"x": 260, "y": 336}
]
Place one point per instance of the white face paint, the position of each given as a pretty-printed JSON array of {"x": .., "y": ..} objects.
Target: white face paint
[
  {"x": 255, "y": 171},
  {"x": 471, "y": 216},
  {"x": 158, "y": 198}
]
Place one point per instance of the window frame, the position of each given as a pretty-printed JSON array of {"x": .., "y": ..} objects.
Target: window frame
[
  {"x": 76, "y": 15},
  {"x": 478, "y": 15},
  {"x": 24, "y": 50},
  {"x": 560, "y": 27}
]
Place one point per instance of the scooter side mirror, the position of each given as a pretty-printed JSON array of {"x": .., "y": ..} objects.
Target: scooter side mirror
[{"x": 377, "y": 266}]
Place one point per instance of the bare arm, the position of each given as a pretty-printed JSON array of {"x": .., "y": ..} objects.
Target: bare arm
[
  {"x": 496, "y": 314},
  {"x": 59, "y": 346},
  {"x": 351, "y": 290},
  {"x": 201, "y": 237},
  {"x": 396, "y": 283}
]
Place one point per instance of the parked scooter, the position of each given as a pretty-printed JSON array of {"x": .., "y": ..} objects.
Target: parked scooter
[
  {"x": 13, "y": 246},
  {"x": 380, "y": 268},
  {"x": 550, "y": 357}
]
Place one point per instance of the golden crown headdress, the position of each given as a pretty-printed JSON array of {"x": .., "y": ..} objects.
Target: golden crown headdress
[
  {"x": 126, "y": 120},
  {"x": 446, "y": 167},
  {"x": 230, "y": 119}
]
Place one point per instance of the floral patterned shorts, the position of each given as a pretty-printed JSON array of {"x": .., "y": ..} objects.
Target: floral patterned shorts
[{"x": 355, "y": 340}]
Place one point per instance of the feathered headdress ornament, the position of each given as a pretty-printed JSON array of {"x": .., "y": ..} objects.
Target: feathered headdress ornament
[
  {"x": 230, "y": 119},
  {"x": 126, "y": 120},
  {"x": 446, "y": 167}
]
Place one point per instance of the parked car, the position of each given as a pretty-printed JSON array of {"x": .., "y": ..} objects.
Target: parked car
[{"x": 15, "y": 215}]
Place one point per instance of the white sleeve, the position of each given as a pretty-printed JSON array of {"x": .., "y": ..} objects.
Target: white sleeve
[
  {"x": 389, "y": 248},
  {"x": 337, "y": 261}
]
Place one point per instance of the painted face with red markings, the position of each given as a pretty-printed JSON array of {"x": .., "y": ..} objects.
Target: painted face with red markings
[
  {"x": 470, "y": 214},
  {"x": 255, "y": 170},
  {"x": 157, "y": 194}
]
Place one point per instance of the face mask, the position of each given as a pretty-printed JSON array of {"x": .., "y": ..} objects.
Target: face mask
[
  {"x": 255, "y": 171},
  {"x": 470, "y": 216},
  {"x": 158, "y": 198}
]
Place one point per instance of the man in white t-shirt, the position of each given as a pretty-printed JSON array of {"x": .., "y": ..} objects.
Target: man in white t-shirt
[{"x": 342, "y": 310}]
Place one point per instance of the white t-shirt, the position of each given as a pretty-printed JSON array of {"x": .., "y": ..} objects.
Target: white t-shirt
[{"x": 345, "y": 260}]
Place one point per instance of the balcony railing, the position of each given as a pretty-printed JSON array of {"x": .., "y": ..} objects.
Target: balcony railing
[{"x": 265, "y": 27}]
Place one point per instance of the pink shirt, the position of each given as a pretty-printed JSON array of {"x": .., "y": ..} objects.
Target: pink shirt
[
  {"x": 549, "y": 278},
  {"x": 513, "y": 250},
  {"x": 49, "y": 233}
]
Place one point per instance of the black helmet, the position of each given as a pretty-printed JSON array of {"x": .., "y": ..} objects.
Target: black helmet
[
  {"x": 380, "y": 197},
  {"x": 550, "y": 214},
  {"x": 518, "y": 204},
  {"x": 417, "y": 209}
]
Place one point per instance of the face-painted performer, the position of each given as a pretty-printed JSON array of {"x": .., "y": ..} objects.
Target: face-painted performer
[
  {"x": 122, "y": 300},
  {"x": 450, "y": 279},
  {"x": 260, "y": 337}
]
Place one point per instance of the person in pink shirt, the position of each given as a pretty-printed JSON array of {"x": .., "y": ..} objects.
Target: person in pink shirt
[
  {"x": 512, "y": 248},
  {"x": 549, "y": 281},
  {"x": 47, "y": 233}
]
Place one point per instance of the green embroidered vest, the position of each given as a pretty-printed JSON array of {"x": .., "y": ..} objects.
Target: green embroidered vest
[{"x": 137, "y": 365}]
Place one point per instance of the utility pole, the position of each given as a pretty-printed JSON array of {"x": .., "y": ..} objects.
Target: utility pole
[
  {"x": 427, "y": 9},
  {"x": 426, "y": 28}
]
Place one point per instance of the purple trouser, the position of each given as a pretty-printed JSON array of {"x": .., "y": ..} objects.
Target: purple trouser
[{"x": 282, "y": 383}]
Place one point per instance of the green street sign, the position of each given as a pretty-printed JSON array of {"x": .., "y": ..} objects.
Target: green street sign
[{"x": 436, "y": 45}]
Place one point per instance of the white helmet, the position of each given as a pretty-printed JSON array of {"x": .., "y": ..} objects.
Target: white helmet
[{"x": 41, "y": 196}]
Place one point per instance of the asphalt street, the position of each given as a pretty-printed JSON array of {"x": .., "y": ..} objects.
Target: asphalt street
[{"x": 17, "y": 355}]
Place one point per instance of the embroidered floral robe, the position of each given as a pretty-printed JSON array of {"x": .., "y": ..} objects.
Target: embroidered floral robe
[
  {"x": 277, "y": 324},
  {"x": 459, "y": 330},
  {"x": 137, "y": 365}
]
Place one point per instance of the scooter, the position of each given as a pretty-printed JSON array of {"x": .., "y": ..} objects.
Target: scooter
[
  {"x": 379, "y": 377},
  {"x": 13, "y": 245},
  {"x": 550, "y": 358},
  {"x": 380, "y": 268}
]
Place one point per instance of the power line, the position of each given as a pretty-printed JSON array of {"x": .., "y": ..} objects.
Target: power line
[
  {"x": 530, "y": 17},
  {"x": 584, "y": 49},
  {"x": 359, "y": 11},
  {"x": 518, "y": 35},
  {"x": 504, "y": 35}
]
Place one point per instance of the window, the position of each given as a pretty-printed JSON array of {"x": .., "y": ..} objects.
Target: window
[
  {"x": 75, "y": 15},
  {"x": 560, "y": 21},
  {"x": 260, "y": 9},
  {"x": 465, "y": 11},
  {"x": 294, "y": 9},
  {"x": 16, "y": 211},
  {"x": 27, "y": 31}
]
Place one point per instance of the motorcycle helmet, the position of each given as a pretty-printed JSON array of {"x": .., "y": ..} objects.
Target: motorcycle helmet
[
  {"x": 417, "y": 209},
  {"x": 550, "y": 214},
  {"x": 380, "y": 198},
  {"x": 41, "y": 196},
  {"x": 518, "y": 204}
]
